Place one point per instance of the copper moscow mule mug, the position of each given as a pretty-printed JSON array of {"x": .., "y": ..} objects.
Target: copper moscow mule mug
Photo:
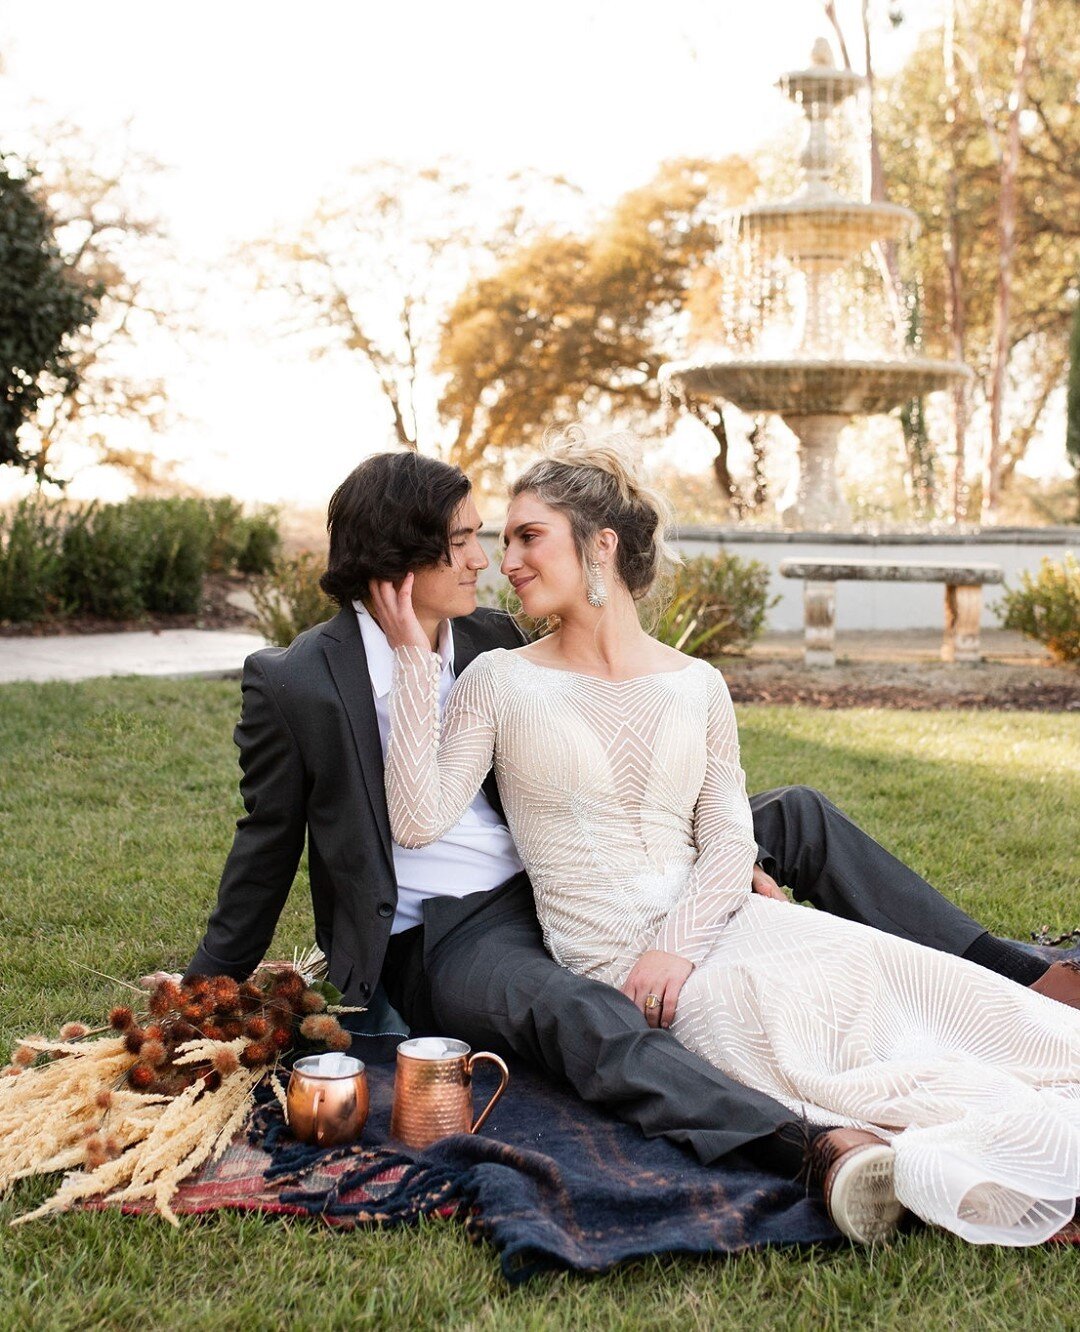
[
  {"x": 433, "y": 1090},
  {"x": 327, "y": 1101}
]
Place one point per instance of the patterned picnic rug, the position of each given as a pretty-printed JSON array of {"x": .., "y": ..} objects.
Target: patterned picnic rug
[{"x": 551, "y": 1182}]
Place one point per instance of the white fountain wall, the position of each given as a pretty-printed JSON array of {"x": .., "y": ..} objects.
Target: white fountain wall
[{"x": 870, "y": 605}]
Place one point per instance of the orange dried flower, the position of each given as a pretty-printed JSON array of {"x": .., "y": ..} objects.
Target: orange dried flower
[
  {"x": 289, "y": 985},
  {"x": 340, "y": 1040},
  {"x": 257, "y": 1052},
  {"x": 74, "y": 1031},
  {"x": 121, "y": 1018},
  {"x": 311, "y": 1001},
  {"x": 165, "y": 997},
  {"x": 133, "y": 1041},
  {"x": 226, "y": 991},
  {"x": 319, "y": 1027},
  {"x": 225, "y": 1062},
  {"x": 256, "y": 1027},
  {"x": 103, "y": 1099},
  {"x": 140, "y": 1076},
  {"x": 230, "y": 1030},
  {"x": 154, "y": 1032},
  {"x": 212, "y": 1032},
  {"x": 281, "y": 1038},
  {"x": 94, "y": 1151},
  {"x": 12, "y": 1071},
  {"x": 153, "y": 1053},
  {"x": 23, "y": 1056},
  {"x": 198, "y": 987}
]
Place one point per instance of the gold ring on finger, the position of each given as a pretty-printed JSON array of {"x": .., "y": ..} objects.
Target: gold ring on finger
[{"x": 651, "y": 1001}]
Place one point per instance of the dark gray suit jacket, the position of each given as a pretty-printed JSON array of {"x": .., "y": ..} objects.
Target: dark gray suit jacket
[{"x": 312, "y": 767}]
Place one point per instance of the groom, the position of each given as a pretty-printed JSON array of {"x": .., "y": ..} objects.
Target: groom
[{"x": 450, "y": 929}]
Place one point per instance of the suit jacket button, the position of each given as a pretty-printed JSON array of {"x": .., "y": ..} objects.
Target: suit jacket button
[{"x": 386, "y": 909}]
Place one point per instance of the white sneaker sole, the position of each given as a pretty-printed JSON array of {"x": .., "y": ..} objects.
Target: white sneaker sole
[{"x": 862, "y": 1198}]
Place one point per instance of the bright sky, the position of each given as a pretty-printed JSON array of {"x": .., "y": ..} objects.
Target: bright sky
[{"x": 258, "y": 107}]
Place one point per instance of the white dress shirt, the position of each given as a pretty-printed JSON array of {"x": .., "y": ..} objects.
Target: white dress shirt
[{"x": 478, "y": 852}]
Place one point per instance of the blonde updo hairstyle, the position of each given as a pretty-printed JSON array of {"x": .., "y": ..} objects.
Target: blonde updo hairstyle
[{"x": 596, "y": 483}]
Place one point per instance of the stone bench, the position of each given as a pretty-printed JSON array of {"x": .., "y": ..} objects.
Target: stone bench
[{"x": 963, "y": 599}]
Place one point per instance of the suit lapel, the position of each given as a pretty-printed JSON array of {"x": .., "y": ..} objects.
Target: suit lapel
[
  {"x": 469, "y": 642},
  {"x": 344, "y": 650}
]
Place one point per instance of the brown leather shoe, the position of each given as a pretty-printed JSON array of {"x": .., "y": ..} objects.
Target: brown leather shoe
[
  {"x": 855, "y": 1171},
  {"x": 1060, "y": 982}
]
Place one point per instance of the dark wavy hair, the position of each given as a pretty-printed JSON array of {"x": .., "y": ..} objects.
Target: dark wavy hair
[{"x": 390, "y": 515}]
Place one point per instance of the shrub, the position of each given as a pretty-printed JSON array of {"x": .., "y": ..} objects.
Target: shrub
[
  {"x": 225, "y": 535},
  {"x": 179, "y": 551},
  {"x": 259, "y": 542},
  {"x": 31, "y": 560},
  {"x": 289, "y": 600},
  {"x": 718, "y": 604},
  {"x": 105, "y": 555},
  {"x": 1046, "y": 607},
  {"x": 122, "y": 560}
]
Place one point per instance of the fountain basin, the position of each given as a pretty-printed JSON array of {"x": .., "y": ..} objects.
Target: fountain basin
[
  {"x": 807, "y": 228},
  {"x": 801, "y": 387}
]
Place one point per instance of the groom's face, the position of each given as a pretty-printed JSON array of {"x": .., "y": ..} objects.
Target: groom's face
[{"x": 443, "y": 591}]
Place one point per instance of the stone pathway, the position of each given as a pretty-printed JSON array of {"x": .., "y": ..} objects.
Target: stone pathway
[{"x": 175, "y": 653}]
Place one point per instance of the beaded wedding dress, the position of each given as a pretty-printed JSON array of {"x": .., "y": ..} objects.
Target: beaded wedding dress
[{"x": 628, "y": 807}]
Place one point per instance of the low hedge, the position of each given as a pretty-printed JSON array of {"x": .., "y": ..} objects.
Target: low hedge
[{"x": 121, "y": 561}]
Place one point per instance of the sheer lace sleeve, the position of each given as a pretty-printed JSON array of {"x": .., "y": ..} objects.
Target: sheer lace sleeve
[
  {"x": 433, "y": 771},
  {"x": 724, "y": 833}
]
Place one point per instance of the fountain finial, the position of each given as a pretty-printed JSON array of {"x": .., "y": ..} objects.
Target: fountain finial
[{"x": 821, "y": 55}]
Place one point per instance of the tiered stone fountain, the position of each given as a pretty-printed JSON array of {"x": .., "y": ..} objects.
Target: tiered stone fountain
[{"x": 810, "y": 327}]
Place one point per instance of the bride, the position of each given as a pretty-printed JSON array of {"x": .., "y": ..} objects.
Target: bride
[{"x": 618, "y": 764}]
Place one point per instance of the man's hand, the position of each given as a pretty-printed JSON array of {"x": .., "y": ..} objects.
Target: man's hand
[
  {"x": 155, "y": 978},
  {"x": 394, "y": 612},
  {"x": 661, "y": 975},
  {"x": 766, "y": 885}
]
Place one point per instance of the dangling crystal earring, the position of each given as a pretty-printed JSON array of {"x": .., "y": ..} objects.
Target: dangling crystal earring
[{"x": 595, "y": 590}]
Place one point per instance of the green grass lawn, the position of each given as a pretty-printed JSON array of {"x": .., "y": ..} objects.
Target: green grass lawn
[{"x": 117, "y": 800}]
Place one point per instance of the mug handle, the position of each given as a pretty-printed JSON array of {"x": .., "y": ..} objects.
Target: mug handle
[
  {"x": 504, "y": 1078},
  {"x": 315, "y": 1116}
]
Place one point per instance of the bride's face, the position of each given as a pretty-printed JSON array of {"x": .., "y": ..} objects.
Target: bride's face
[{"x": 541, "y": 559}]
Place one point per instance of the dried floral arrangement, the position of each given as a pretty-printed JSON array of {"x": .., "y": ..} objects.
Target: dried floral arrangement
[{"x": 133, "y": 1107}]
